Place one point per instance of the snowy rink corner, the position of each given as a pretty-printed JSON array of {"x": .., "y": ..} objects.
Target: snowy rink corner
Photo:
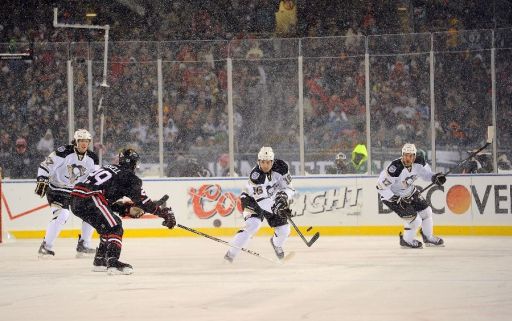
[{"x": 339, "y": 278}]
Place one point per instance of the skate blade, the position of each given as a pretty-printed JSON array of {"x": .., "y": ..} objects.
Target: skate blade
[
  {"x": 410, "y": 248},
  {"x": 45, "y": 256},
  {"x": 99, "y": 269},
  {"x": 434, "y": 245},
  {"x": 288, "y": 256},
  {"x": 114, "y": 271},
  {"x": 81, "y": 255}
]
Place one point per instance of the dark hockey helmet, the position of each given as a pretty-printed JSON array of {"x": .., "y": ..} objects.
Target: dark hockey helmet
[{"x": 128, "y": 158}]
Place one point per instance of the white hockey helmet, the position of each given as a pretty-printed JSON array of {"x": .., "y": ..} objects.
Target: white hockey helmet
[
  {"x": 266, "y": 153},
  {"x": 82, "y": 134},
  {"x": 409, "y": 149}
]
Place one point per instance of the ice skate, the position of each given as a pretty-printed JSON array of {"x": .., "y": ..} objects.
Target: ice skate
[
  {"x": 44, "y": 252},
  {"x": 415, "y": 244},
  {"x": 228, "y": 257},
  {"x": 99, "y": 264},
  {"x": 279, "y": 250},
  {"x": 433, "y": 241},
  {"x": 117, "y": 267},
  {"x": 82, "y": 250}
]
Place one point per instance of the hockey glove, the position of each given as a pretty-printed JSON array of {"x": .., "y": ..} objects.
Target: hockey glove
[
  {"x": 42, "y": 185},
  {"x": 439, "y": 179},
  {"x": 168, "y": 216},
  {"x": 280, "y": 204},
  {"x": 402, "y": 201}
]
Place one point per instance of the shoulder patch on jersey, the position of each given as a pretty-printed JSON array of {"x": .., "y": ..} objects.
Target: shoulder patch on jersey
[
  {"x": 280, "y": 167},
  {"x": 257, "y": 176},
  {"x": 395, "y": 168},
  {"x": 64, "y": 151},
  {"x": 420, "y": 160}
]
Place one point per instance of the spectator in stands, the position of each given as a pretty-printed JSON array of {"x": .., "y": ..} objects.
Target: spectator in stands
[
  {"x": 46, "y": 144},
  {"x": 22, "y": 164},
  {"x": 504, "y": 163}
]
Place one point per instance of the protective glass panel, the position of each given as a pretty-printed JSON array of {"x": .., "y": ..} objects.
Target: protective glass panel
[
  {"x": 79, "y": 52},
  {"x": 504, "y": 99},
  {"x": 129, "y": 104},
  {"x": 399, "y": 95},
  {"x": 265, "y": 94},
  {"x": 195, "y": 108},
  {"x": 334, "y": 104},
  {"x": 34, "y": 107},
  {"x": 462, "y": 98}
]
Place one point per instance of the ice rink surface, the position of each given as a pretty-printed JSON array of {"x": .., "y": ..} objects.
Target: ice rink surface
[{"x": 338, "y": 278}]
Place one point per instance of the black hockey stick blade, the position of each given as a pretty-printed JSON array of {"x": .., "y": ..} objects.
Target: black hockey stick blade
[
  {"x": 308, "y": 243},
  {"x": 162, "y": 200},
  {"x": 313, "y": 239}
]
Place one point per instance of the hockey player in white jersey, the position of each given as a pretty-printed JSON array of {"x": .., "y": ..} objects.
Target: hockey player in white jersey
[
  {"x": 265, "y": 196},
  {"x": 397, "y": 190},
  {"x": 56, "y": 177}
]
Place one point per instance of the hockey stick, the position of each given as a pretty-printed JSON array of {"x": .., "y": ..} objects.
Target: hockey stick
[
  {"x": 162, "y": 200},
  {"x": 490, "y": 136},
  {"x": 224, "y": 242},
  {"x": 308, "y": 243}
]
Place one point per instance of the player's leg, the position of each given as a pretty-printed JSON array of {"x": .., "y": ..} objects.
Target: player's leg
[
  {"x": 410, "y": 229},
  {"x": 83, "y": 246},
  {"x": 427, "y": 227},
  {"x": 60, "y": 217},
  {"x": 281, "y": 233},
  {"x": 411, "y": 224},
  {"x": 59, "y": 205},
  {"x": 242, "y": 237},
  {"x": 95, "y": 212}
]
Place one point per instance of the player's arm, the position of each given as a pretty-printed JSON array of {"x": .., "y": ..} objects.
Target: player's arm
[
  {"x": 45, "y": 170},
  {"x": 425, "y": 172},
  {"x": 142, "y": 201},
  {"x": 384, "y": 184}
]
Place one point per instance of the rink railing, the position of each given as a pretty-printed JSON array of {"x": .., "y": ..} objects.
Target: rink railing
[{"x": 465, "y": 205}]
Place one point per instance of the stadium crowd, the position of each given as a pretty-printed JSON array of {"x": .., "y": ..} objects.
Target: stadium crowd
[{"x": 262, "y": 37}]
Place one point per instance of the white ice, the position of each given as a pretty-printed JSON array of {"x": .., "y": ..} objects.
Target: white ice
[{"x": 338, "y": 278}]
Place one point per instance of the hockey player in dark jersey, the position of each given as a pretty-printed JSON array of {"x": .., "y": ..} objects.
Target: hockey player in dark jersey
[
  {"x": 56, "y": 176},
  {"x": 266, "y": 196},
  {"x": 97, "y": 198},
  {"x": 397, "y": 190}
]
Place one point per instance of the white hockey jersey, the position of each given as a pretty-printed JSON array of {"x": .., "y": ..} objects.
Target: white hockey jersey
[
  {"x": 65, "y": 167},
  {"x": 264, "y": 186},
  {"x": 398, "y": 180}
]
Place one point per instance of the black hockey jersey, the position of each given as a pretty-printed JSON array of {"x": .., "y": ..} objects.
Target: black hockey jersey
[{"x": 111, "y": 183}]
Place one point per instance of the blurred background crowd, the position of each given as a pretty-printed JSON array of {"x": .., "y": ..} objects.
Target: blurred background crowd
[{"x": 264, "y": 39}]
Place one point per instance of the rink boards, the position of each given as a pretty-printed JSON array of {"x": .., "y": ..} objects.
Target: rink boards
[{"x": 340, "y": 205}]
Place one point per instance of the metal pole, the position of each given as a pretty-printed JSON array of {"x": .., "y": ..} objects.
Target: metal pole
[
  {"x": 432, "y": 102},
  {"x": 231, "y": 125},
  {"x": 301, "y": 117},
  {"x": 160, "y": 117},
  {"x": 493, "y": 102},
  {"x": 71, "y": 102},
  {"x": 367, "y": 106}
]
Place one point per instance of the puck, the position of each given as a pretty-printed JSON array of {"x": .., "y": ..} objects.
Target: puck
[
  {"x": 309, "y": 228},
  {"x": 217, "y": 223}
]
